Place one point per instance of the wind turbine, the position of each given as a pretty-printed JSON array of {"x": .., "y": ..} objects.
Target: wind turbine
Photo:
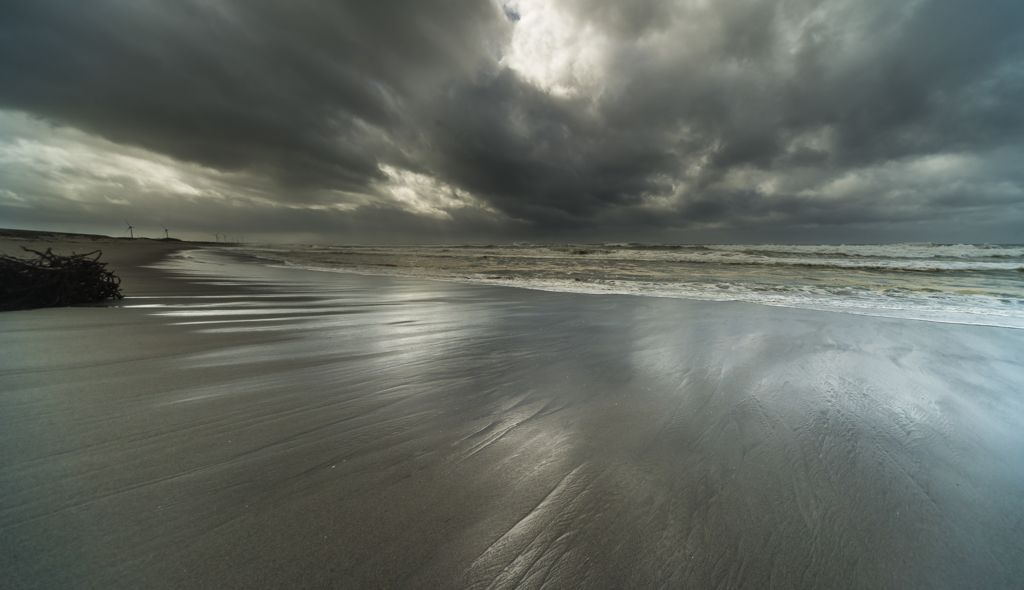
[
  {"x": 216, "y": 236},
  {"x": 129, "y": 230},
  {"x": 166, "y": 236}
]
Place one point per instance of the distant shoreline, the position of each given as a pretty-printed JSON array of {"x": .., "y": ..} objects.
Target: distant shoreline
[
  {"x": 28, "y": 234},
  {"x": 40, "y": 234}
]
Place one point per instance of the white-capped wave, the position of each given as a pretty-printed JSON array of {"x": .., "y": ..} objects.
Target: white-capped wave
[{"x": 952, "y": 287}]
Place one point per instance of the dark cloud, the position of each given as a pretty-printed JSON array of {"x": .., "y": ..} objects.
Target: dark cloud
[
  {"x": 304, "y": 90},
  {"x": 628, "y": 117}
]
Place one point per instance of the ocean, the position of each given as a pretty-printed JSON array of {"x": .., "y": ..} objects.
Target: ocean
[{"x": 953, "y": 283}]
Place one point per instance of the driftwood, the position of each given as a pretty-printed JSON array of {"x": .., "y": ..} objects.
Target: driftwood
[{"x": 55, "y": 281}]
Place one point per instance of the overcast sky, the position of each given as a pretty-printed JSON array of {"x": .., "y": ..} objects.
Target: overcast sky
[{"x": 539, "y": 120}]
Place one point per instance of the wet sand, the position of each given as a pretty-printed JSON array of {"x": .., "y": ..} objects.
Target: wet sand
[{"x": 231, "y": 425}]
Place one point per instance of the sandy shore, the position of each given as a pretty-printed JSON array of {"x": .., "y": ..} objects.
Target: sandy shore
[
  {"x": 230, "y": 425},
  {"x": 129, "y": 259}
]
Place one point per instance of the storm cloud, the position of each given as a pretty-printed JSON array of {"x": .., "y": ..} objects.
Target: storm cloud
[{"x": 448, "y": 120}]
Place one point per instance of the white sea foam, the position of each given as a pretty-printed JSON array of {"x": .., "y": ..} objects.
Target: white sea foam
[{"x": 962, "y": 283}]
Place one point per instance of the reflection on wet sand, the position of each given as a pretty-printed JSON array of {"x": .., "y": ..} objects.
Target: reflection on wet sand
[{"x": 362, "y": 431}]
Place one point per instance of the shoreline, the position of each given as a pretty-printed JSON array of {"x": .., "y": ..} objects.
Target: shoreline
[{"x": 135, "y": 258}]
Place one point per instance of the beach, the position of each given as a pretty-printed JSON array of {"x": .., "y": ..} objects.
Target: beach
[{"x": 231, "y": 424}]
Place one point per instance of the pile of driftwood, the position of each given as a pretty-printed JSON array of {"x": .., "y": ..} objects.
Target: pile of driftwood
[{"x": 51, "y": 280}]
